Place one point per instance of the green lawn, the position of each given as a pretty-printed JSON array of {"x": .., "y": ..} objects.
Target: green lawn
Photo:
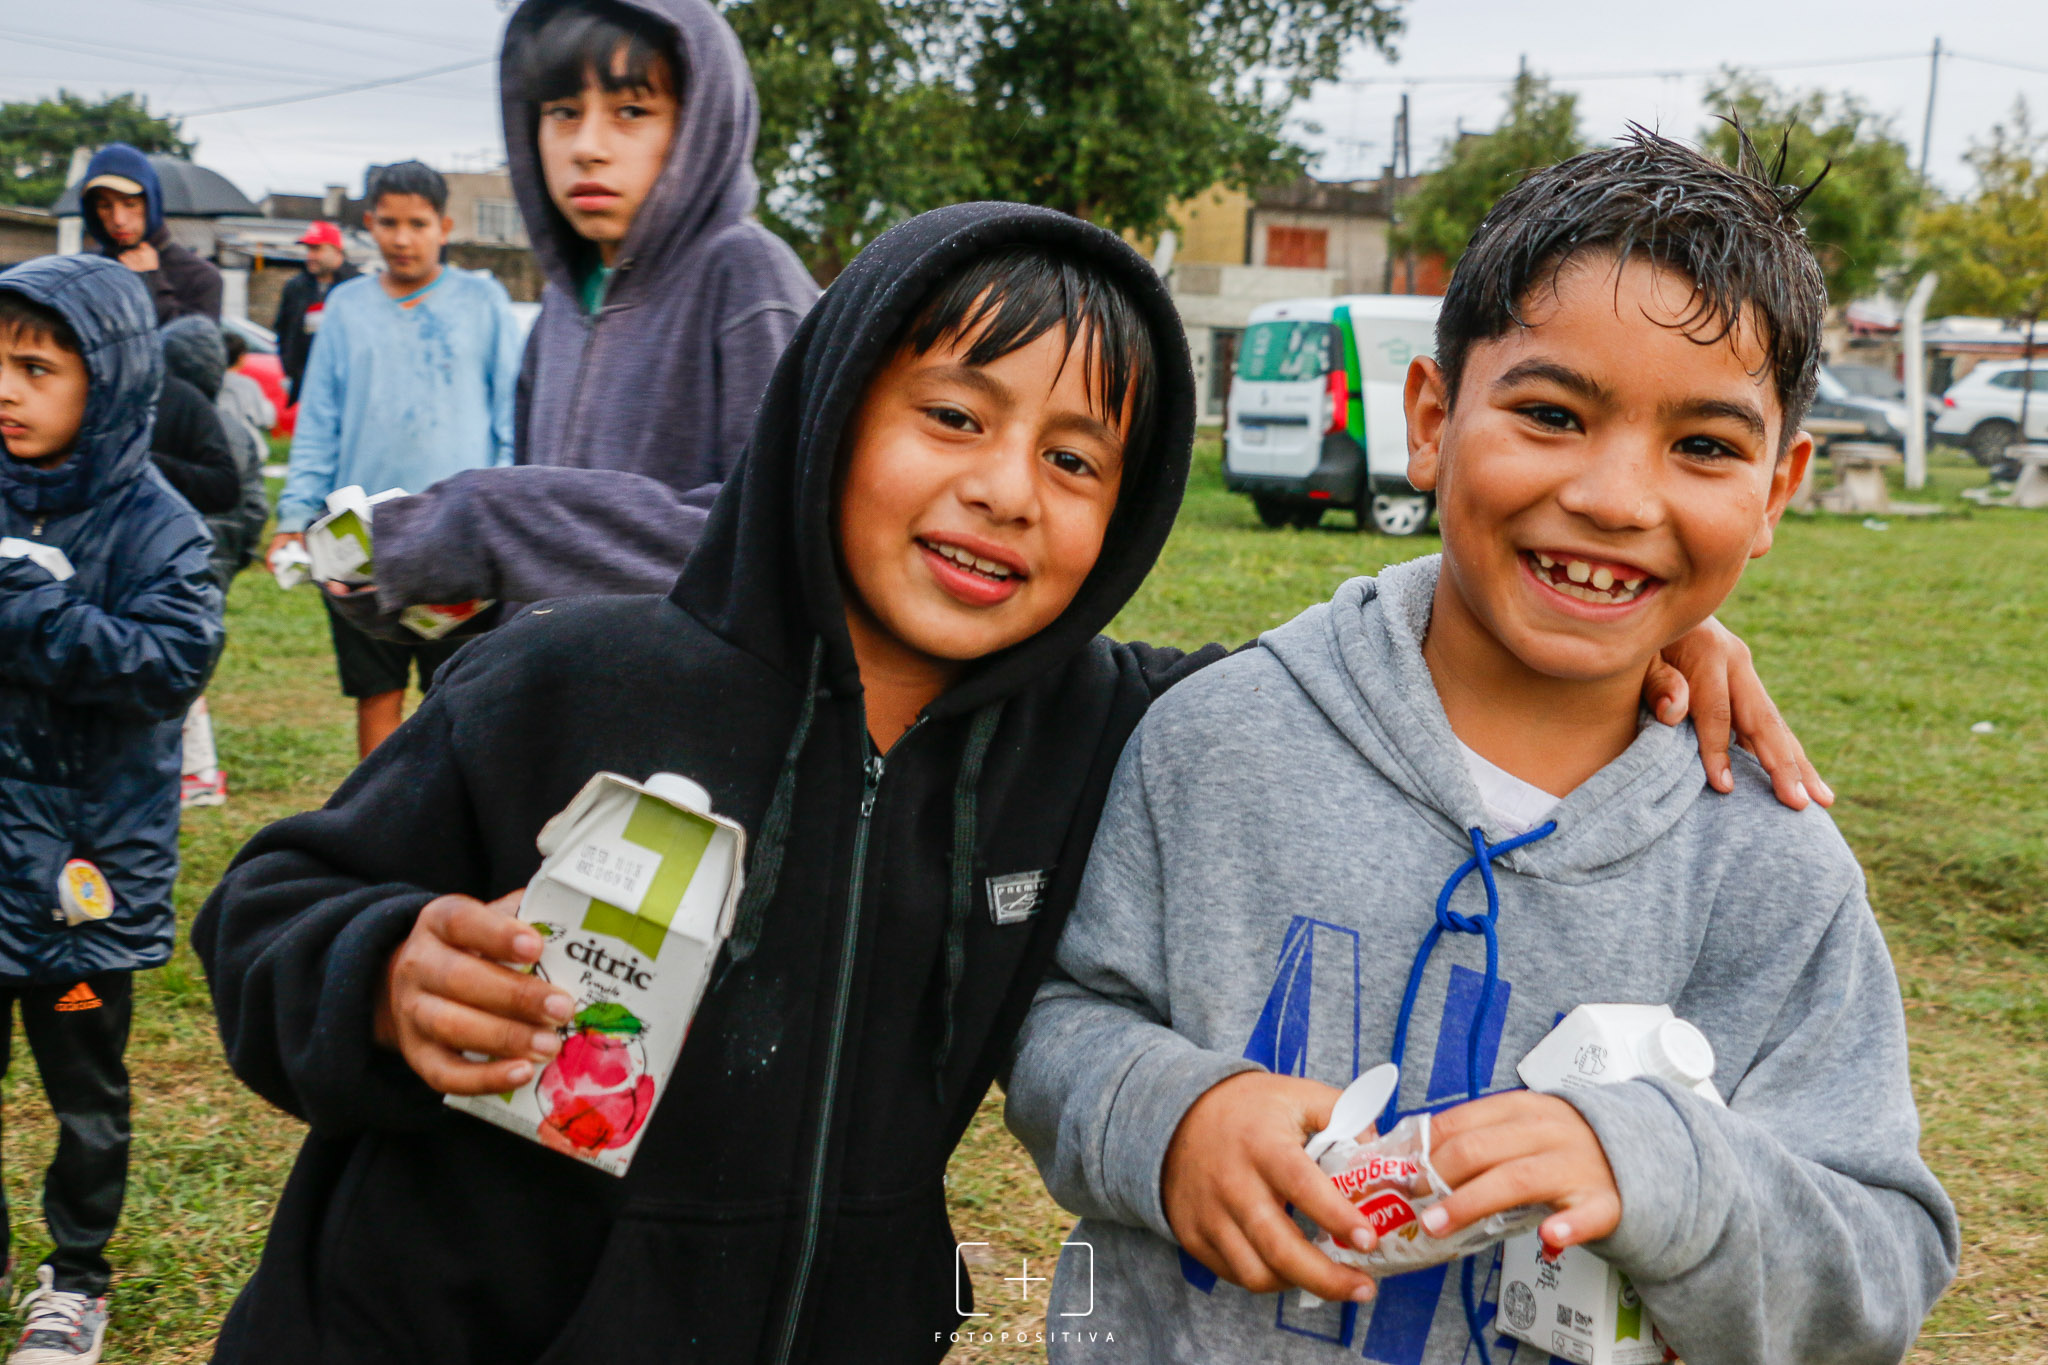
[{"x": 1884, "y": 647}]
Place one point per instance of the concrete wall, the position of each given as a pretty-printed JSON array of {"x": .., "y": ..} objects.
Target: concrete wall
[
  {"x": 514, "y": 266},
  {"x": 1357, "y": 245},
  {"x": 25, "y": 240},
  {"x": 491, "y": 191}
]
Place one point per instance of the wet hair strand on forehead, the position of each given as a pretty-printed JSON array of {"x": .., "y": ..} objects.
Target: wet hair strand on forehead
[
  {"x": 1733, "y": 232},
  {"x": 1007, "y": 299},
  {"x": 22, "y": 316},
  {"x": 618, "y": 46}
]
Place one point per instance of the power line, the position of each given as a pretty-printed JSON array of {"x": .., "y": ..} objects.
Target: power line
[
  {"x": 342, "y": 89},
  {"x": 300, "y": 98},
  {"x": 1645, "y": 73}
]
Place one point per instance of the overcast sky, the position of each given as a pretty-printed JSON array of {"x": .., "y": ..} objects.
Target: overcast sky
[{"x": 189, "y": 56}]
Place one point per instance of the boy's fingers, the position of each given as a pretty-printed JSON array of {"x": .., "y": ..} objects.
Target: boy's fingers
[
  {"x": 1303, "y": 1184},
  {"x": 450, "y": 1073},
  {"x": 1665, "y": 692},
  {"x": 1713, "y": 722},
  {"x": 452, "y": 1024},
  {"x": 1591, "y": 1221},
  {"x": 470, "y": 980},
  {"x": 486, "y": 930},
  {"x": 1506, "y": 1186},
  {"x": 1293, "y": 1261}
]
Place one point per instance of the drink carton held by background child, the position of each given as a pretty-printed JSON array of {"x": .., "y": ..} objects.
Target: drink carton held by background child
[
  {"x": 339, "y": 550},
  {"x": 338, "y": 543},
  {"x": 1573, "y": 1304},
  {"x": 634, "y": 897}
]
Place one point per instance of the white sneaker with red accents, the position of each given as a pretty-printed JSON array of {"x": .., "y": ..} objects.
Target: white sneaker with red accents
[
  {"x": 63, "y": 1328},
  {"x": 209, "y": 788}
]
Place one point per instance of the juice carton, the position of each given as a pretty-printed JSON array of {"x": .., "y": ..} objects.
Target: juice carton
[
  {"x": 338, "y": 550},
  {"x": 634, "y": 897},
  {"x": 339, "y": 542},
  {"x": 1573, "y": 1304}
]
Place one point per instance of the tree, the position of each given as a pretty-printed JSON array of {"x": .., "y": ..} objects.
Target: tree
[
  {"x": 858, "y": 130},
  {"x": 1540, "y": 128},
  {"x": 36, "y": 139},
  {"x": 1991, "y": 250},
  {"x": 1858, "y": 217},
  {"x": 873, "y": 110}
]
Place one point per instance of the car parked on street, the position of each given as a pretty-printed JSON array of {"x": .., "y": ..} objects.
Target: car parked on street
[
  {"x": 1315, "y": 420},
  {"x": 1981, "y": 411},
  {"x": 1884, "y": 421}
]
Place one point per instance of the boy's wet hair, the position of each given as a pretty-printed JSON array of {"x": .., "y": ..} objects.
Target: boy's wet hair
[
  {"x": 21, "y": 315},
  {"x": 237, "y": 347},
  {"x": 407, "y": 177},
  {"x": 1735, "y": 233},
  {"x": 1013, "y": 296},
  {"x": 616, "y": 44}
]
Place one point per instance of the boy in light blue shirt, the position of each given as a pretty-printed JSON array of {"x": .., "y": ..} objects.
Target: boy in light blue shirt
[{"x": 411, "y": 379}]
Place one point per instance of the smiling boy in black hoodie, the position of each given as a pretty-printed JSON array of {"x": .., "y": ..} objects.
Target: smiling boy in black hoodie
[{"x": 884, "y": 661}]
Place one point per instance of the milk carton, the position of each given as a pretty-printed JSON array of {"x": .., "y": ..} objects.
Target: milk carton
[
  {"x": 1575, "y": 1305},
  {"x": 634, "y": 897},
  {"x": 338, "y": 550}
]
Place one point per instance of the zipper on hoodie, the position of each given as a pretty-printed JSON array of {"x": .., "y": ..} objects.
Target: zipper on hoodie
[{"x": 814, "y": 1204}]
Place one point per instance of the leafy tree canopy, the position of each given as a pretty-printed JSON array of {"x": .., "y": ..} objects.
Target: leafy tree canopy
[
  {"x": 37, "y": 137},
  {"x": 873, "y": 110},
  {"x": 1857, "y": 219},
  {"x": 1540, "y": 128},
  {"x": 1991, "y": 249}
]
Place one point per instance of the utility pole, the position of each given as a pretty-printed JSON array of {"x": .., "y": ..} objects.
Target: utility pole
[
  {"x": 1407, "y": 170},
  {"x": 1927, "y": 128}
]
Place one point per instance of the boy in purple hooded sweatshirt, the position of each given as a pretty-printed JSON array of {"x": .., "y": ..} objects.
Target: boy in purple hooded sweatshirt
[{"x": 631, "y": 135}]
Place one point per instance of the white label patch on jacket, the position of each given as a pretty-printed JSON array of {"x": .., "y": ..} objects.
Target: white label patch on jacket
[{"x": 1014, "y": 897}]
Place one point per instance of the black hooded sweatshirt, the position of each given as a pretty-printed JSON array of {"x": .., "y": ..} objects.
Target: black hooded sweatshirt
[{"x": 787, "y": 1201}]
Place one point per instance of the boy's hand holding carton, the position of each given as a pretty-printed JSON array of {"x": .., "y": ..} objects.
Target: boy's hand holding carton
[{"x": 336, "y": 551}]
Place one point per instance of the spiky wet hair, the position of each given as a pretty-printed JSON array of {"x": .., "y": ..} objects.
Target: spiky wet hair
[
  {"x": 1734, "y": 232},
  {"x": 1009, "y": 298}
]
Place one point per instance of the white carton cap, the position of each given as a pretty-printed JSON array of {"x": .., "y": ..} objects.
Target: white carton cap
[
  {"x": 680, "y": 790},
  {"x": 1677, "y": 1051}
]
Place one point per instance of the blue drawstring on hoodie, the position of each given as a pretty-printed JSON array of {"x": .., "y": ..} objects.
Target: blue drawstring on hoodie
[{"x": 1481, "y": 862}]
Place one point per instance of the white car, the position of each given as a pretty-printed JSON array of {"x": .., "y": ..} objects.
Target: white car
[{"x": 1981, "y": 411}]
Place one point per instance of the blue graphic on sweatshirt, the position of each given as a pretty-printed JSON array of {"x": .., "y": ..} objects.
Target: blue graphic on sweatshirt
[{"x": 1316, "y": 980}]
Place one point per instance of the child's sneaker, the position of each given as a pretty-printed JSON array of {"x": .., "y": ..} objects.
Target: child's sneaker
[
  {"x": 63, "y": 1328},
  {"x": 209, "y": 788}
]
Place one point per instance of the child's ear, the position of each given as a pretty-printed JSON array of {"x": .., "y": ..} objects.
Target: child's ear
[
  {"x": 1427, "y": 410},
  {"x": 1786, "y": 477}
]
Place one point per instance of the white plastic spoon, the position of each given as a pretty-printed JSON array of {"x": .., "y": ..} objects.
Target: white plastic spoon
[{"x": 1357, "y": 1108}]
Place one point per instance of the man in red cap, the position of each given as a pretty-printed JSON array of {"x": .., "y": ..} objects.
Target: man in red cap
[{"x": 305, "y": 295}]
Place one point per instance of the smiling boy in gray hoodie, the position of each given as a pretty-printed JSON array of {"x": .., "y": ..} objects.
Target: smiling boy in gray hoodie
[{"x": 1444, "y": 771}]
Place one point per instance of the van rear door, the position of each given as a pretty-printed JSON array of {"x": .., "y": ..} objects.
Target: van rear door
[{"x": 1280, "y": 404}]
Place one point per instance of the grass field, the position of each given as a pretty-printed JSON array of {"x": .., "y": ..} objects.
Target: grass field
[{"x": 1883, "y": 646}]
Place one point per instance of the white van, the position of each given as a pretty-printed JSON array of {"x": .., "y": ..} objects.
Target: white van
[{"x": 1314, "y": 419}]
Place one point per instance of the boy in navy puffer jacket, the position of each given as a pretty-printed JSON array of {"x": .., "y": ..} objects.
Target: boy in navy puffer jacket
[{"x": 110, "y": 622}]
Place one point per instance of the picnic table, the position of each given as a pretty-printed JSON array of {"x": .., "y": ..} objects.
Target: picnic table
[{"x": 1865, "y": 459}]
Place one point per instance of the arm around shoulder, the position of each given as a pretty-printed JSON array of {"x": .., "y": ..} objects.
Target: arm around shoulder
[{"x": 1799, "y": 1223}]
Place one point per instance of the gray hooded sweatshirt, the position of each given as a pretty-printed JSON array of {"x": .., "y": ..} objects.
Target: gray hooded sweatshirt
[
  {"x": 629, "y": 420},
  {"x": 1266, "y": 869}
]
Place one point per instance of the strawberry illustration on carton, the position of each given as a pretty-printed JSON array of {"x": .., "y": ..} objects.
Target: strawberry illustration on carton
[{"x": 634, "y": 898}]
